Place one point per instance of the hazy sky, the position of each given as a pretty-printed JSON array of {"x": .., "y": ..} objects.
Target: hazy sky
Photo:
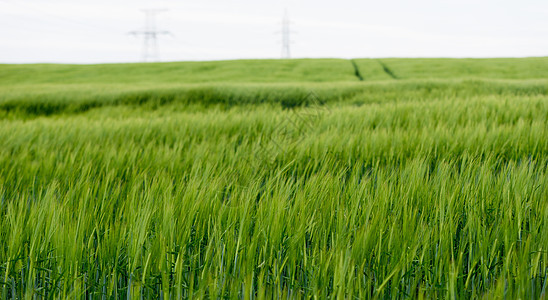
[{"x": 97, "y": 31}]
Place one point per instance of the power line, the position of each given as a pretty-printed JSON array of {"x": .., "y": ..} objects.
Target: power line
[{"x": 150, "y": 35}]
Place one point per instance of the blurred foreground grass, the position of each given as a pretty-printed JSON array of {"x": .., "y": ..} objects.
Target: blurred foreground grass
[{"x": 387, "y": 188}]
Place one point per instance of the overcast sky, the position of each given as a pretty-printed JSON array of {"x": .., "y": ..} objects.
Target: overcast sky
[{"x": 97, "y": 31}]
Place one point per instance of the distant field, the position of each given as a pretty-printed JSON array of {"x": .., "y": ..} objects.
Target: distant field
[
  {"x": 365, "y": 178},
  {"x": 275, "y": 71},
  {"x": 269, "y": 71},
  {"x": 493, "y": 68}
]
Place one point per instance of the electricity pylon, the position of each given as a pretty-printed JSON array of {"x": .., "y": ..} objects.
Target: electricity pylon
[
  {"x": 286, "y": 38},
  {"x": 150, "y": 35}
]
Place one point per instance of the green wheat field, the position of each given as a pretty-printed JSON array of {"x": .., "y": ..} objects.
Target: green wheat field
[{"x": 261, "y": 179}]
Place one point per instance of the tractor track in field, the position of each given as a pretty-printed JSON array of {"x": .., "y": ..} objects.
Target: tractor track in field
[
  {"x": 387, "y": 70},
  {"x": 356, "y": 70}
]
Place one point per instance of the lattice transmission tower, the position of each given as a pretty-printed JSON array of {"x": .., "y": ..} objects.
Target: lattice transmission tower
[
  {"x": 286, "y": 36},
  {"x": 150, "y": 35}
]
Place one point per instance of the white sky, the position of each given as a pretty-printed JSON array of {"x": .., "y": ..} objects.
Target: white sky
[{"x": 96, "y": 31}]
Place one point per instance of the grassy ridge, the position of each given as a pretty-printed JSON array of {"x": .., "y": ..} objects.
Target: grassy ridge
[
  {"x": 387, "y": 189},
  {"x": 52, "y": 89},
  {"x": 47, "y": 100}
]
